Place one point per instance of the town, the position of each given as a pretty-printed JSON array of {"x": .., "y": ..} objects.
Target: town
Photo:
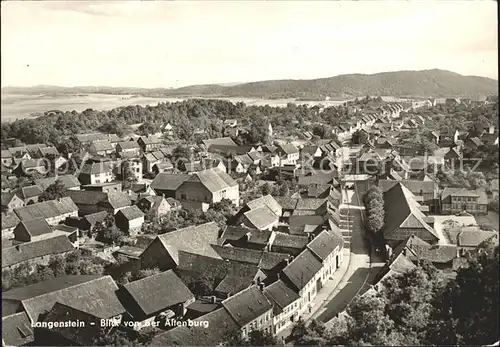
[{"x": 206, "y": 222}]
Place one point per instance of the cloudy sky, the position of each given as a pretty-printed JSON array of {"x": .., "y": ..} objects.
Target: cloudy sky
[{"x": 172, "y": 44}]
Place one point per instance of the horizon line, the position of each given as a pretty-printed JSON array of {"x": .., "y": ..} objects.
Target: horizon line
[{"x": 231, "y": 84}]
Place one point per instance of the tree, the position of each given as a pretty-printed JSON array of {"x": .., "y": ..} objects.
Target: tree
[
  {"x": 360, "y": 137},
  {"x": 128, "y": 175},
  {"x": 145, "y": 273},
  {"x": 107, "y": 231},
  {"x": 259, "y": 131},
  {"x": 477, "y": 180},
  {"x": 56, "y": 190},
  {"x": 374, "y": 205}
]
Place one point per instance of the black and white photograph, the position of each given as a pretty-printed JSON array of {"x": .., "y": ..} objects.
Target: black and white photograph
[{"x": 250, "y": 173}]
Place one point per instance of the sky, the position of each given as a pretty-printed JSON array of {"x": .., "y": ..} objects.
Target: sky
[{"x": 174, "y": 44}]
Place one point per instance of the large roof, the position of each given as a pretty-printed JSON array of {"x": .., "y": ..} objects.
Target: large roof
[
  {"x": 36, "y": 227},
  {"x": 158, "y": 292},
  {"x": 280, "y": 295},
  {"x": 69, "y": 181},
  {"x": 266, "y": 200},
  {"x": 46, "y": 209},
  {"x": 213, "y": 179},
  {"x": 17, "y": 330},
  {"x": 401, "y": 210},
  {"x": 164, "y": 181},
  {"x": 225, "y": 141},
  {"x": 302, "y": 269},
  {"x": 247, "y": 305},
  {"x": 415, "y": 186},
  {"x": 195, "y": 239},
  {"x": 325, "y": 243},
  {"x": 69, "y": 290},
  {"x": 261, "y": 217},
  {"x": 9, "y": 220},
  {"x": 36, "y": 249}
]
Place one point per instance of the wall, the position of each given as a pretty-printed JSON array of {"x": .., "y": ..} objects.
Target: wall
[{"x": 263, "y": 322}]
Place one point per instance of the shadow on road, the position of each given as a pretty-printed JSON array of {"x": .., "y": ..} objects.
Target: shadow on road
[{"x": 345, "y": 295}]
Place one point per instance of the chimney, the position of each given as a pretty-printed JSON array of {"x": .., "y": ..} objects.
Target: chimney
[
  {"x": 310, "y": 236},
  {"x": 213, "y": 299},
  {"x": 278, "y": 276},
  {"x": 261, "y": 286}
]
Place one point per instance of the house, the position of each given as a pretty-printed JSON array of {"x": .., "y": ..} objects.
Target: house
[
  {"x": 168, "y": 184},
  {"x": 453, "y": 155},
  {"x": 149, "y": 160},
  {"x": 149, "y": 143},
  {"x": 92, "y": 173},
  {"x": 103, "y": 148},
  {"x": 262, "y": 218},
  {"x": 199, "y": 334},
  {"x": 469, "y": 238},
  {"x": 131, "y": 147},
  {"x": 53, "y": 211},
  {"x": 7, "y": 158},
  {"x": 490, "y": 139},
  {"x": 447, "y": 138},
  {"x": 206, "y": 188},
  {"x": 221, "y": 141},
  {"x": 161, "y": 294},
  {"x": 168, "y": 129},
  {"x": 157, "y": 206},
  {"x": 105, "y": 187},
  {"x": 87, "y": 222},
  {"x": 251, "y": 310},
  {"x": 65, "y": 334},
  {"x": 164, "y": 166},
  {"x": 425, "y": 192},
  {"x": 89, "y": 202},
  {"x": 30, "y": 166},
  {"x": 163, "y": 251},
  {"x": 231, "y": 123},
  {"x": 9, "y": 222},
  {"x": 284, "y": 300},
  {"x": 289, "y": 244},
  {"x": 70, "y": 182},
  {"x": 134, "y": 166},
  {"x": 35, "y": 253},
  {"x": 10, "y": 201},
  {"x": 455, "y": 200},
  {"x": 29, "y": 194},
  {"x": 404, "y": 218},
  {"x": 452, "y": 102},
  {"x": 238, "y": 277},
  {"x": 314, "y": 152},
  {"x": 474, "y": 142},
  {"x": 32, "y": 230},
  {"x": 40, "y": 297},
  {"x": 289, "y": 154},
  {"x": 130, "y": 219}
]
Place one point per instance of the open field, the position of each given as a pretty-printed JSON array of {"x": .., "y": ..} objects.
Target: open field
[{"x": 16, "y": 106}]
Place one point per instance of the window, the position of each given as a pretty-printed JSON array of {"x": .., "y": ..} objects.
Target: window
[{"x": 183, "y": 197}]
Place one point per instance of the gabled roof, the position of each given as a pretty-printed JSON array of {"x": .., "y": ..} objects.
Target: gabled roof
[
  {"x": 402, "y": 211},
  {"x": 128, "y": 145},
  {"x": 302, "y": 269},
  {"x": 288, "y": 148},
  {"x": 96, "y": 168},
  {"x": 30, "y": 191},
  {"x": 464, "y": 192},
  {"x": 290, "y": 241},
  {"x": 31, "y": 250},
  {"x": 266, "y": 200},
  {"x": 225, "y": 141},
  {"x": 69, "y": 181},
  {"x": 46, "y": 209},
  {"x": 324, "y": 244},
  {"x": 158, "y": 292},
  {"x": 261, "y": 217},
  {"x": 214, "y": 179},
  {"x": 36, "y": 227},
  {"x": 280, "y": 295},
  {"x": 195, "y": 239},
  {"x": 68, "y": 290},
  {"x": 239, "y": 277},
  {"x": 9, "y": 220},
  {"x": 165, "y": 181},
  {"x": 415, "y": 186},
  {"x": 247, "y": 305},
  {"x": 103, "y": 145},
  {"x": 131, "y": 212}
]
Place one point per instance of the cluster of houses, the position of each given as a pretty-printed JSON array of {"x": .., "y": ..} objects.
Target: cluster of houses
[{"x": 260, "y": 271}]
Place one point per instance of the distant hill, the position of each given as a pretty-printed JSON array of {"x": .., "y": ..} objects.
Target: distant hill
[{"x": 425, "y": 83}]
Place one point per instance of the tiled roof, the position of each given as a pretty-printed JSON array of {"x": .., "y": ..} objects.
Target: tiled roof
[
  {"x": 302, "y": 269},
  {"x": 36, "y": 227},
  {"x": 99, "y": 146},
  {"x": 473, "y": 238},
  {"x": 46, "y": 209},
  {"x": 97, "y": 217},
  {"x": 261, "y": 217},
  {"x": 290, "y": 241},
  {"x": 41, "y": 297},
  {"x": 244, "y": 255},
  {"x": 401, "y": 210},
  {"x": 30, "y": 191},
  {"x": 247, "y": 305},
  {"x": 118, "y": 199},
  {"x": 415, "y": 186},
  {"x": 9, "y": 220},
  {"x": 280, "y": 295},
  {"x": 239, "y": 277},
  {"x": 45, "y": 151},
  {"x": 225, "y": 141},
  {"x": 198, "y": 335},
  {"x": 31, "y": 250},
  {"x": 324, "y": 244},
  {"x": 17, "y": 330},
  {"x": 131, "y": 212},
  {"x": 128, "y": 145},
  {"x": 164, "y": 181},
  {"x": 158, "y": 292},
  {"x": 213, "y": 179},
  {"x": 288, "y": 148},
  {"x": 96, "y": 168},
  {"x": 69, "y": 181},
  {"x": 195, "y": 239}
]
